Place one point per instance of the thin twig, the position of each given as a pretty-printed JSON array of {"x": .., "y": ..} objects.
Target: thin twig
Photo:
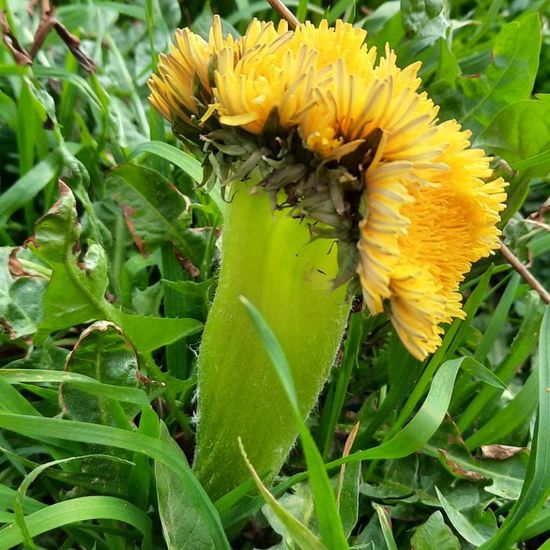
[
  {"x": 31, "y": 6},
  {"x": 73, "y": 43},
  {"x": 47, "y": 21},
  {"x": 544, "y": 226},
  {"x": 19, "y": 54},
  {"x": 527, "y": 276},
  {"x": 285, "y": 13}
]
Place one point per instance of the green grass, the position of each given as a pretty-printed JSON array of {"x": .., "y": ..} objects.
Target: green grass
[{"x": 102, "y": 303}]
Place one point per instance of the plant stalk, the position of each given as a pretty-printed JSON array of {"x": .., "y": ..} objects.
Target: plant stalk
[{"x": 268, "y": 257}]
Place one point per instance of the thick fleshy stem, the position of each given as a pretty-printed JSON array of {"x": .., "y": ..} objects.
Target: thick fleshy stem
[{"x": 268, "y": 257}]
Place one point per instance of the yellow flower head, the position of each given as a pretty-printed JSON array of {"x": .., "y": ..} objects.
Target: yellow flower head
[{"x": 375, "y": 164}]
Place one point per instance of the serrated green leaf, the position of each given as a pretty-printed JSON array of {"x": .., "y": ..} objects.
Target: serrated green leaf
[
  {"x": 506, "y": 475},
  {"x": 149, "y": 333}
]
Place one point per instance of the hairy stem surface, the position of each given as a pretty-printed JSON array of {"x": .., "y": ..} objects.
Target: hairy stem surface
[{"x": 267, "y": 257}]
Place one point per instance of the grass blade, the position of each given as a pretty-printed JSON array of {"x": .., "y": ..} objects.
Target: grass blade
[
  {"x": 80, "y": 381},
  {"x": 330, "y": 524},
  {"x": 75, "y": 510},
  {"x": 35, "y": 428},
  {"x": 536, "y": 488},
  {"x": 189, "y": 164},
  {"x": 384, "y": 519},
  {"x": 301, "y": 535}
]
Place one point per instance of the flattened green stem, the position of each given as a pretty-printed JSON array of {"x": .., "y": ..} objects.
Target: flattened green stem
[{"x": 268, "y": 258}]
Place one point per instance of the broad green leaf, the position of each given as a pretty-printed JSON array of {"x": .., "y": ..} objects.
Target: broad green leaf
[
  {"x": 434, "y": 530},
  {"x": 510, "y": 75},
  {"x": 102, "y": 353},
  {"x": 506, "y": 136},
  {"x": 399, "y": 480},
  {"x": 20, "y": 299},
  {"x": 330, "y": 524},
  {"x": 475, "y": 525},
  {"x": 155, "y": 211},
  {"x": 75, "y": 293},
  {"x": 182, "y": 525},
  {"x": 506, "y": 475}
]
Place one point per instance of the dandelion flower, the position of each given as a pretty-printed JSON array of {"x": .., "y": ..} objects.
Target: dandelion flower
[{"x": 353, "y": 144}]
